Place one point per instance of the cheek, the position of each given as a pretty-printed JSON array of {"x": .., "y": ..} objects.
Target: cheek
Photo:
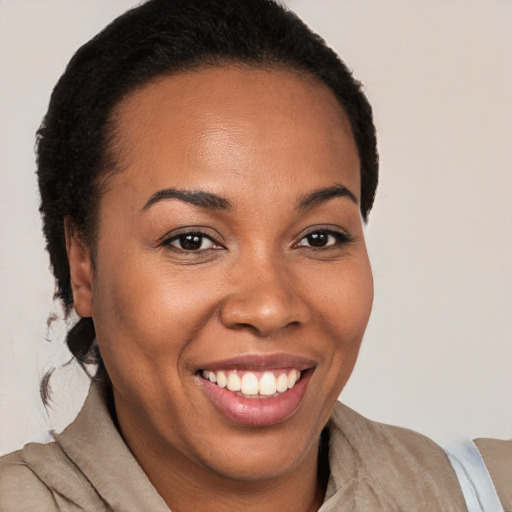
[
  {"x": 146, "y": 316},
  {"x": 347, "y": 298},
  {"x": 345, "y": 311}
]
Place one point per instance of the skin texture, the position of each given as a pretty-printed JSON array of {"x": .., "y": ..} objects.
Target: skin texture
[{"x": 263, "y": 140}]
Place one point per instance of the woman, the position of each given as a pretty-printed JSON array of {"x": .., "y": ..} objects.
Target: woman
[{"x": 205, "y": 169}]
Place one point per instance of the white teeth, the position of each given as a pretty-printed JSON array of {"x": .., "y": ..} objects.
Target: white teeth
[
  {"x": 249, "y": 384},
  {"x": 268, "y": 384},
  {"x": 234, "y": 383},
  {"x": 282, "y": 383},
  {"x": 222, "y": 380},
  {"x": 292, "y": 378}
]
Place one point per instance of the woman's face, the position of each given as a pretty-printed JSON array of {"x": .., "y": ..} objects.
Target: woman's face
[{"x": 230, "y": 248}]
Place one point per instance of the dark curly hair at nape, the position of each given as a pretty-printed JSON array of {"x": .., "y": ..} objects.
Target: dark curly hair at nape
[{"x": 165, "y": 37}]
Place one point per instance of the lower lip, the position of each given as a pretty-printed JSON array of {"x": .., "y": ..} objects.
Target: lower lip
[{"x": 257, "y": 412}]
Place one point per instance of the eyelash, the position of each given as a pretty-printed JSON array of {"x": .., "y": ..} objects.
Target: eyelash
[
  {"x": 340, "y": 239},
  {"x": 193, "y": 236}
]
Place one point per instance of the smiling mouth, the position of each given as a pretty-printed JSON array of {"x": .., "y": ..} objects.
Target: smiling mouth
[{"x": 254, "y": 384}]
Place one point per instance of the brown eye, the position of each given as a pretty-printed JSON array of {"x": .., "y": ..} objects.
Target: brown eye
[
  {"x": 323, "y": 239},
  {"x": 191, "y": 242},
  {"x": 319, "y": 239}
]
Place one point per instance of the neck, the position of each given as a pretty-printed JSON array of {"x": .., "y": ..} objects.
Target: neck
[
  {"x": 186, "y": 486},
  {"x": 187, "y": 489},
  {"x": 278, "y": 495}
]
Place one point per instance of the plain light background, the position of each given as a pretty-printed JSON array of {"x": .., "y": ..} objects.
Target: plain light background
[{"x": 437, "y": 354}]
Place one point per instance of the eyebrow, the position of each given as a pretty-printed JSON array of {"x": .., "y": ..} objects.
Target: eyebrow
[
  {"x": 325, "y": 194},
  {"x": 204, "y": 200}
]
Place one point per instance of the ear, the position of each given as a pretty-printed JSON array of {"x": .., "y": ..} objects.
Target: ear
[{"x": 80, "y": 270}]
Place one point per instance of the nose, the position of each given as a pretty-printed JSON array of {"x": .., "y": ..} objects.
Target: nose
[{"x": 264, "y": 298}]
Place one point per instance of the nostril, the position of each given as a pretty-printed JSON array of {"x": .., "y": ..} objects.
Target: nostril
[
  {"x": 265, "y": 304},
  {"x": 261, "y": 324}
]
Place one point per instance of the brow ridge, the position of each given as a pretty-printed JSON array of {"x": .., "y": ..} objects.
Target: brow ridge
[
  {"x": 205, "y": 200},
  {"x": 325, "y": 194}
]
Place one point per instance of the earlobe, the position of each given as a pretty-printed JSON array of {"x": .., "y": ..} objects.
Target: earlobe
[{"x": 80, "y": 270}]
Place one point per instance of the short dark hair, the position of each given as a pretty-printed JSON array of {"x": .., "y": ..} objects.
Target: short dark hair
[{"x": 165, "y": 37}]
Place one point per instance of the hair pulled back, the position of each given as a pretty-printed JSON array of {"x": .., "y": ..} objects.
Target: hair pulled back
[{"x": 163, "y": 37}]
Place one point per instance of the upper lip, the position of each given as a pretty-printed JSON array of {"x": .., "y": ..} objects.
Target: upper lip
[{"x": 260, "y": 362}]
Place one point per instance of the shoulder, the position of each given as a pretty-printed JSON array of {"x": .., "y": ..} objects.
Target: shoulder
[
  {"x": 389, "y": 442},
  {"x": 20, "y": 488},
  {"x": 497, "y": 455},
  {"x": 42, "y": 478},
  {"x": 400, "y": 466}
]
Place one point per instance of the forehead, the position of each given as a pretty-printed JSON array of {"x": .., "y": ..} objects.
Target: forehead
[{"x": 203, "y": 128}]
